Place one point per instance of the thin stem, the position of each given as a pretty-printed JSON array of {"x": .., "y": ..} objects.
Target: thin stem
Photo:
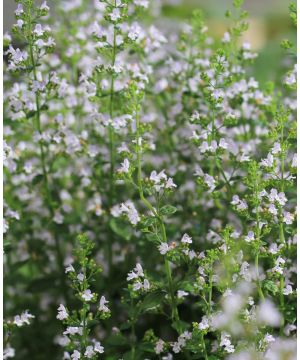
[
  {"x": 204, "y": 347},
  {"x": 281, "y": 236},
  {"x": 111, "y": 112},
  {"x": 112, "y": 155},
  {"x": 259, "y": 288},
  {"x": 175, "y": 315},
  {"x": 210, "y": 291},
  {"x": 43, "y": 158},
  {"x": 132, "y": 335}
]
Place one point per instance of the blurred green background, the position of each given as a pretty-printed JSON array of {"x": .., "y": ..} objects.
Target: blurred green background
[{"x": 269, "y": 24}]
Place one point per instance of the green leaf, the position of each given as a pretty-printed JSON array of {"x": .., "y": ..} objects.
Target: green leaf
[
  {"x": 180, "y": 326},
  {"x": 270, "y": 286},
  {"x": 238, "y": 3},
  {"x": 37, "y": 179},
  {"x": 168, "y": 210},
  {"x": 151, "y": 301},
  {"x": 153, "y": 238},
  {"x": 120, "y": 229},
  {"x": 117, "y": 340}
]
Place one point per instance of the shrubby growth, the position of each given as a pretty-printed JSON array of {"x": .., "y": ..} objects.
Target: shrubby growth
[{"x": 152, "y": 155}]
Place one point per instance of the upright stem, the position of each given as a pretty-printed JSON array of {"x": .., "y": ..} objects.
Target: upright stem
[
  {"x": 259, "y": 288},
  {"x": 210, "y": 290},
  {"x": 111, "y": 129},
  {"x": 132, "y": 335},
  {"x": 281, "y": 236},
  {"x": 204, "y": 347},
  {"x": 43, "y": 158},
  {"x": 175, "y": 315},
  {"x": 111, "y": 135}
]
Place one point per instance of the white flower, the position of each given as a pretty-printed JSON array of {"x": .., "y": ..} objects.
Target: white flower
[
  {"x": 181, "y": 294},
  {"x": 235, "y": 200},
  {"x": 19, "y": 10},
  {"x": 8, "y": 352},
  {"x": 89, "y": 352},
  {"x": 115, "y": 14},
  {"x": 268, "y": 162},
  {"x": 69, "y": 268},
  {"x": 163, "y": 248},
  {"x": 288, "y": 218},
  {"x": 73, "y": 330},
  {"x": 80, "y": 277},
  {"x": 250, "y": 236},
  {"x": 159, "y": 346},
  {"x": 287, "y": 290},
  {"x": 223, "y": 144},
  {"x": 38, "y": 30},
  {"x": 44, "y": 6},
  {"x": 186, "y": 239},
  {"x": 146, "y": 284},
  {"x": 226, "y": 37},
  {"x": 87, "y": 295},
  {"x": 125, "y": 165},
  {"x": 62, "y": 313},
  {"x": 276, "y": 148},
  {"x": 136, "y": 272},
  {"x": 98, "y": 348},
  {"x": 226, "y": 343},
  {"x": 129, "y": 209},
  {"x": 204, "y": 323},
  {"x": 22, "y": 319},
  {"x": 76, "y": 355},
  {"x": 210, "y": 182},
  {"x": 102, "y": 305}
]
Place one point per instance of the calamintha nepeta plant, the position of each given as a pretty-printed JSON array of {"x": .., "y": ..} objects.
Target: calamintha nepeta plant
[{"x": 174, "y": 165}]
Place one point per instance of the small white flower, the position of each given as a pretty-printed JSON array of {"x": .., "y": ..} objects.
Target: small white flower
[
  {"x": 181, "y": 294},
  {"x": 80, "y": 277},
  {"x": 73, "y": 330},
  {"x": 22, "y": 319},
  {"x": 8, "y": 353},
  {"x": 163, "y": 248},
  {"x": 125, "y": 165},
  {"x": 186, "y": 239},
  {"x": 159, "y": 346},
  {"x": 69, "y": 268},
  {"x": 62, "y": 313},
  {"x": 98, "y": 347},
  {"x": 276, "y": 148},
  {"x": 76, "y": 355},
  {"x": 204, "y": 323},
  {"x": 288, "y": 290},
  {"x": 87, "y": 295},
  {"x": 89, "y": 352},
  {"x": 250, "y": 236},
  {"x": 102, "y": 305},
  {"x": 115, "y": 14}
]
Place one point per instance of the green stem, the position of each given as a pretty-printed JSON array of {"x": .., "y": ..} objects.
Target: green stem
[
  {"x": 112, "y": 154},
  {"x": 210, "y": 291},
  {"x": 43, "y": 159},
  {"x": 259, "y": 289},
  {"x": 175, "y": 315},
  {"x": 204, "y": 347}
]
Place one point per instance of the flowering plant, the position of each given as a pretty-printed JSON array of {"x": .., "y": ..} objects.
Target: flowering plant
[{"x": 167, "y": 166}]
